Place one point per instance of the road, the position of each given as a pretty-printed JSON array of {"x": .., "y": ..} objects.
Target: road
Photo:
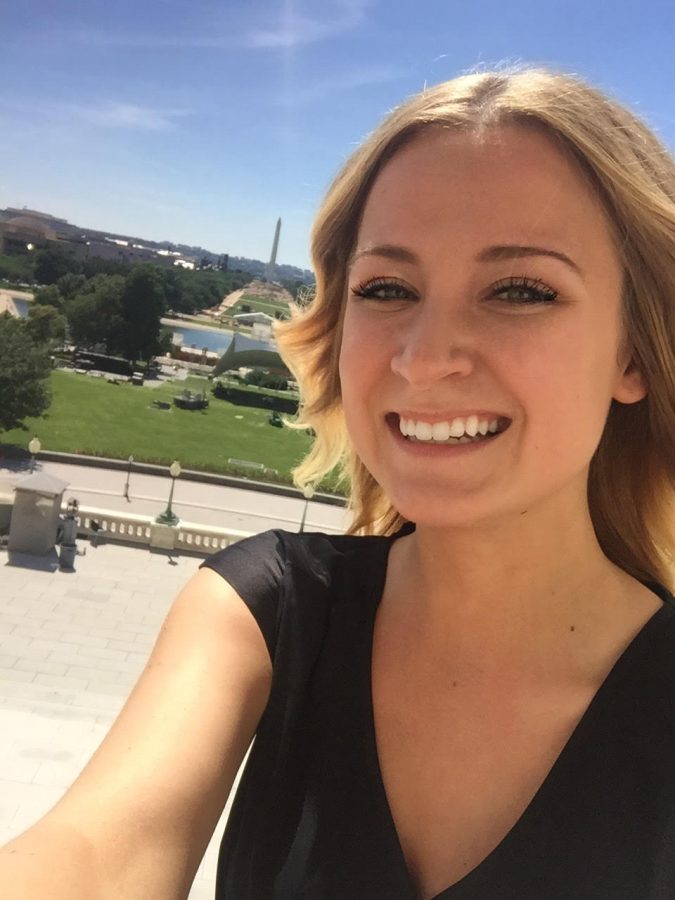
[{"x": 193, "y": 501}]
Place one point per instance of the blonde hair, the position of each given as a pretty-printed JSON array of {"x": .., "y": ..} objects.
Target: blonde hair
[{"x": 632, "y": 474}]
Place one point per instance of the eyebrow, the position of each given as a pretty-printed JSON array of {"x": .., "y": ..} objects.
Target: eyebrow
[
  {"x": 490, "y": 254},
  {"x": 509, "y": 251},
  {"x": 390, "y": 251}
]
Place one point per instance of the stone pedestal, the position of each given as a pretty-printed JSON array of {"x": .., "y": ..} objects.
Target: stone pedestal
[
  {"x": 35, "y": 516},
  {"x": 163, "y": 537}
]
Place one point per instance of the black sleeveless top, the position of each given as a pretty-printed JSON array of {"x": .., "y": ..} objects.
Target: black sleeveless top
[{"x": 311, "y": 817}]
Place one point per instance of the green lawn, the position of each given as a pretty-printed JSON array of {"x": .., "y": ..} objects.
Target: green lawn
[
  {"x": 90, "y": 416},
  {"x": 257, "y": 305}
]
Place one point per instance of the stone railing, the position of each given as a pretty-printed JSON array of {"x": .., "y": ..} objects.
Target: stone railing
[
  {"x": 114, "y": 526},
  {"x": 131, "y": 528}
]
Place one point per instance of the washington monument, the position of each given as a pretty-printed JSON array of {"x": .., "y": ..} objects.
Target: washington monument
[{"x": 269, "y": 274}]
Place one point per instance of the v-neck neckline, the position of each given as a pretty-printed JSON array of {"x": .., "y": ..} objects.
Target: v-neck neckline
[{"x": 562, "y": 762}]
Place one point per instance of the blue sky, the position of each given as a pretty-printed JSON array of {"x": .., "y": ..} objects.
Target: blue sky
[{"x": 202, "y": 122}]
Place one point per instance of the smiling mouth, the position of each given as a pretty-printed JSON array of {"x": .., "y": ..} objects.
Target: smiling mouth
[{"x": 470, "y": 429}]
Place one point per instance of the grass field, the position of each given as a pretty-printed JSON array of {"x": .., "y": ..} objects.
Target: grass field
[
  {"x": 257, "y": 305},
  {"x": 90, "y": 416}
]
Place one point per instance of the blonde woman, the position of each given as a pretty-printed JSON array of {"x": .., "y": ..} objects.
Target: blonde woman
[{"x": 472, "y": 695}]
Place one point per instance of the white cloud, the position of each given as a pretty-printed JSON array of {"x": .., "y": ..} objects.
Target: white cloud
[
  {"x": 298, "y": 28},
  {"x": 113, "y": 114},
  {"x": 359, "y": 77},
  {"x": 296, "y": 23}
]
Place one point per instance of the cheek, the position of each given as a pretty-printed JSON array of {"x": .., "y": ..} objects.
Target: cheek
[
  {"x": 346, "y": 367},
  {"x": 350, "y": 369},
  {"x": 359, "y": 357},
  {"x": 568, "y": 386},
  {"x": 360, "y": 368}
]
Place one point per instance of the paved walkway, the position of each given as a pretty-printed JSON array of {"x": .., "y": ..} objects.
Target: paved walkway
[
  {"x": 205, "y": 504},
  {"x": 73, "y": 644},
  {"x": 71, "y": 647}
]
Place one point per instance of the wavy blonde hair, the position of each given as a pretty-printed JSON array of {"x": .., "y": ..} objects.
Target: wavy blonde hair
[{"x": 631, "y": 486}]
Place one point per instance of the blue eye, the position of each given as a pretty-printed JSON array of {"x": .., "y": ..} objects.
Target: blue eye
[
  {"x": 383, "y": 289},
  {"x": 519, "y": 290}
]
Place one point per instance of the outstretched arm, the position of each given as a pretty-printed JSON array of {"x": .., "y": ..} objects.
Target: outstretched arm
[{"x": 136, "y": 822}]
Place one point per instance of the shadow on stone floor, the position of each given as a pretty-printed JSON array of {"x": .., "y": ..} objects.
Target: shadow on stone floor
[{"x": 47, "y": 563}]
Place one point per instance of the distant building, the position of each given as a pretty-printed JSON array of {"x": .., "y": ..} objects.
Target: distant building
[
  {"x": 55, "y": 221},
  {"x": 248, "y": 351},
  {"x": 22, "y": 229},
  {"x": 18, "y": 232},
  {"x": 254, "y": 318},
  {"x": 115, "y": 250},
  {"x": 270, "y": 271},
  {"x": 195, "y": 355}
]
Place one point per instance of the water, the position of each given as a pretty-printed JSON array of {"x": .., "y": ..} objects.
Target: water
[
  {"x": 21, "y": 306},
  {"x": 213, "y": 339}
]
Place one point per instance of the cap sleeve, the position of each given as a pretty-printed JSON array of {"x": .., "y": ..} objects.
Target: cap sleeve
[{"x": 254, "y": 567}]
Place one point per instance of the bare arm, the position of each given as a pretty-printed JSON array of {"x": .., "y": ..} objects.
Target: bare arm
[{"x": 138, "y": 819}]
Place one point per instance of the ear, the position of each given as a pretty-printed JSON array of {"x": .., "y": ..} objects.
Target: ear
[{"x": 631, "y": 385}]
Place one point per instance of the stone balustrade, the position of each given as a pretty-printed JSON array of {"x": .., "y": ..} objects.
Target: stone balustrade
[{"x": 182, "y": 537}]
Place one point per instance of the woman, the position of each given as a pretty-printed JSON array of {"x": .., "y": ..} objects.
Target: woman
[{"x": 480, "y": 704}]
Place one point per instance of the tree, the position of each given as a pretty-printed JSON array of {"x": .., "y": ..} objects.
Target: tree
[
  {"x": 142, "y": 306},
  {"x": 95, "y": 315},
  {"x": 46, "y": 325},
  {"x": 52, "y": 263},
  {"x": 69, "y": 285},
  {"x": 24, "y": 368},
  {"x": 50, "y": 296},
  {"x": 292, "y": 286},
  {"x": 17, "y": 269},
  {"x": 165, "y": 341},
  {"x": 172, "y": 288},
  {"x": 95, "y": 265}
]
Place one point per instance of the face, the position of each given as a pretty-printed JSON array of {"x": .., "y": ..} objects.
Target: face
[{"x": 482, "y": 341}]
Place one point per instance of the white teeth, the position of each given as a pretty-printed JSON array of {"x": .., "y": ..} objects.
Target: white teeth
[
  {"x": 471, "y": 427},
  {"x": 457, "y": 428},
  {"x": 423, "y": 431},
  {"x": 441, "y": 431},
  {"x": 457, "y": 431}
]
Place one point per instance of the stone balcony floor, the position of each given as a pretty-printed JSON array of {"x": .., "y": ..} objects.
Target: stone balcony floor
[{"x": 71, "y": 647}]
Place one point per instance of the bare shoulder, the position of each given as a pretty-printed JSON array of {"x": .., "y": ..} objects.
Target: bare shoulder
[{"x": 152, "y": 794}]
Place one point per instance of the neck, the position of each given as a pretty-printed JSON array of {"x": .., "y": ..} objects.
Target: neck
[{"x": 530, "y": 575}]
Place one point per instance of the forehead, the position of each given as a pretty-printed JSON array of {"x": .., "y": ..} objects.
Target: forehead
[{"x": 510, "y": 184}]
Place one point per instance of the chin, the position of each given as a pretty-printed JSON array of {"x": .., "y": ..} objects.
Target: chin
[{"x": 444, "y": 509}]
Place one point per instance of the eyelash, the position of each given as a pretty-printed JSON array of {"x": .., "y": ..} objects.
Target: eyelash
[
  {"x": 367, "y": 290},
  {"x": 538, "y": 291}
]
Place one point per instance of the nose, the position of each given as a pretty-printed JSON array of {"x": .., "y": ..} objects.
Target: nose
[{"x": 434, "y": 348}]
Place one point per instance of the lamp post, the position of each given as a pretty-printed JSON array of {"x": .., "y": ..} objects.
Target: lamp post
[
  {"x": 126, "y": 483},
  {"x": 168, "y": 517},
  {"x": 34, "y": 447},
  {"x": 308, "y": 492}
]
